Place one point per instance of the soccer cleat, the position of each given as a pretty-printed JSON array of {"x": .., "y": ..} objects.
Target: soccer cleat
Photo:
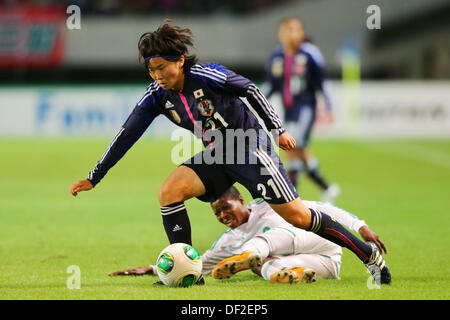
[
  {"x": 200, "y": 281},
  {"x": 294, "y": 275},
  {"x": 331, "y": 193},
  {"x": 226, "y": 268},
  {"x": 378, "y": 267}
]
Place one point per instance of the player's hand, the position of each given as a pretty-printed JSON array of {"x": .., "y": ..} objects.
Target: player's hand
[
  {"x": 368, "y": 235},
  {"x": 133, "y": 272},
  {"x": 81, "y": 185},
  {"x": 286, "y": 141}
]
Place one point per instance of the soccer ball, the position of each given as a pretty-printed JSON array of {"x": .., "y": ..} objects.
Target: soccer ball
[{"x": 179, "y": 265}]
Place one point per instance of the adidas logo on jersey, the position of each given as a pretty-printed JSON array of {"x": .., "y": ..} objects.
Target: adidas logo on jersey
[
  {"x": 169, "y": 104},
  {"x": 177, "y": 228}
]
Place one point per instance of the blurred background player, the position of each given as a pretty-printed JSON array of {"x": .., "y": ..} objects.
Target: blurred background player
[
  {"x": 289, "y": 254},
  {"x": 296, "y": 70}
]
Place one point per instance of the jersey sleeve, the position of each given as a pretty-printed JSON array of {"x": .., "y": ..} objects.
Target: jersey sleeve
[
  {"x": 137, "y": 122},
  {"x": 246, "y": 88}
]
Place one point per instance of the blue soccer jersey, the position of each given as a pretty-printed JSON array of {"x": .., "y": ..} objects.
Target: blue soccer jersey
[
  {"x": 297, "y": 78},
  {"x": 209, "y": 100}
]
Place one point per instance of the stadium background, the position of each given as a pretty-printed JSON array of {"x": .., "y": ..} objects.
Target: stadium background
[{"x": 65, "y": 92}]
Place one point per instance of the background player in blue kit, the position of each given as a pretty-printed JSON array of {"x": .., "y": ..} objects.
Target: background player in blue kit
[
  {"x": 296, "y": 70},
  {"x": 204, "y": 99}
]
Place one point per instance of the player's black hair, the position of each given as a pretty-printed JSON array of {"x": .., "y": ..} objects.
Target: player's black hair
[
  {"x": 167, "y": 40},
  {"x": 231, "y": 193},
  {"x": 307, "y": 38}
]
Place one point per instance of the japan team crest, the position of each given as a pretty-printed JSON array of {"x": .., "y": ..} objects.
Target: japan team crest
[{"x": 205, "y": 107}]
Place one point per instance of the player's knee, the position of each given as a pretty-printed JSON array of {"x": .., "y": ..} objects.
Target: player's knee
[
  {"x": 299, "y": 218},
  {"x": 294, "y": 212},
  {"x": 170, "y": 193},
  {"x": 299, "y": 221}
]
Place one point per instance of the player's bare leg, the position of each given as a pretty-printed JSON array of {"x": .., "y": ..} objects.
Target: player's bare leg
[
  {"x": 294, "y": 212},
  {"x": 182, "y": 184}
]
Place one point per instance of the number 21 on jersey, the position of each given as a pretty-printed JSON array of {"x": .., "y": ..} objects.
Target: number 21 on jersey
[{"x": 262, "y": 188}]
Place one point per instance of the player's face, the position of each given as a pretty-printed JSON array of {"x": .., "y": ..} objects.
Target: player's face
[
  {"x": 230, "y": 212},
  {"x": 168, "y": 74},
  {"x": 291, "y": 33}
]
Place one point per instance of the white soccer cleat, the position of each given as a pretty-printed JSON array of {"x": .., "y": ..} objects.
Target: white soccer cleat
[
  {"x": 226, "y": 268},
  {"x": 331, "y": 193},
  {"x": 294, "y": 275}
]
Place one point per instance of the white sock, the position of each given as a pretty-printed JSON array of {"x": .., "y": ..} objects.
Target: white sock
[
  {"x": 259, "y": 245},
  {"x": 271, "y": 267}
]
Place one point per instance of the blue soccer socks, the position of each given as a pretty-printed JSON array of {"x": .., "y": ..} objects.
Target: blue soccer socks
[{"x": 328, "y": 228}]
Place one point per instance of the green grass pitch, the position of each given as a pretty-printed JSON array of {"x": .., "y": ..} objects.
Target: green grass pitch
[{"x": 401, "y": 188}]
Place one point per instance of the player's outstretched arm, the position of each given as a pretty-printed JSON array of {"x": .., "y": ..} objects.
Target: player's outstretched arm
[
  {"x": 368, "y": 235},
  {"x": 133, "y": 272},
  {"x": 80, "y": 185}
]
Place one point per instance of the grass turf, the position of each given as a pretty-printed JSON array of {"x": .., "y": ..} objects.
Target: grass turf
[{"x": 401, "y": 188}]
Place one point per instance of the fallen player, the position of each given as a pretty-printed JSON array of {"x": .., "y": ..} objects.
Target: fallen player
[{"x": 259, "y": 239}]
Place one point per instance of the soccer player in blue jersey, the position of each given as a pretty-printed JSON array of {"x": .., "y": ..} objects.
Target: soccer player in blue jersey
[
  {"x": 205, "y": 99},
  {"x": 296, "y": 70}
]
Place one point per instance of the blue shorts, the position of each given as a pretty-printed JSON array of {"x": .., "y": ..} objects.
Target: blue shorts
[
  {"x": 262, "y": 174},
  {"x": 301, "y": 129}
]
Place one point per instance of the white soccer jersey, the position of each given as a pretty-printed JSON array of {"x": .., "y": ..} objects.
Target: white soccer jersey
[{"x": 263, "y": 218}]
